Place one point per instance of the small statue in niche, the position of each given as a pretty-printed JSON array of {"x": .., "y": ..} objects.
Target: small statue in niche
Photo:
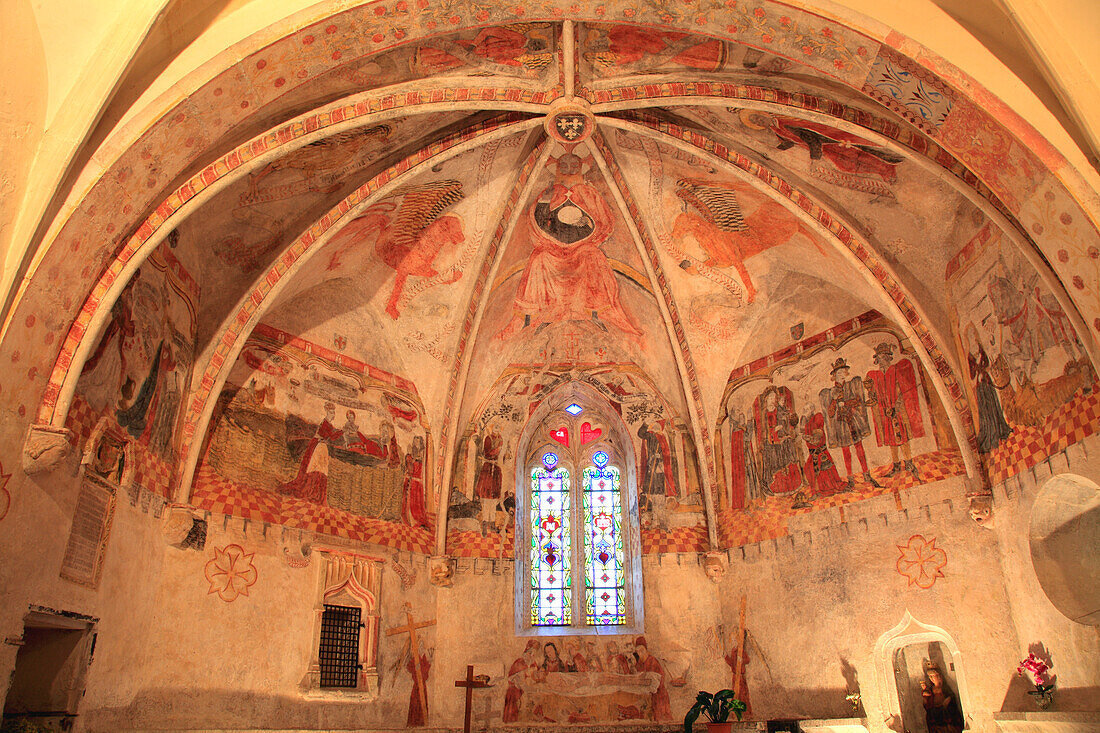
[{"x": 941, "y": 707}]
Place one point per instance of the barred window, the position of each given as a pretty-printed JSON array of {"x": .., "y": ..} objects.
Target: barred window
[{"x": 339, "y": 652}]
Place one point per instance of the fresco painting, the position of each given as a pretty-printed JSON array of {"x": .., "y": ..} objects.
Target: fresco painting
[
  {"x": 574, "y": 680},
  {"x": 314, "y": 430},
  {"x": 567, "y": 276},
  {"x": 482, "y": 496},
  {"x": 409, "y": 230},
  {"x": 133, "y": 383},
  {"x": 838, "y": 417},
  {"x": 1027, "y": 372},
  {"x": 614, "y": 51}
]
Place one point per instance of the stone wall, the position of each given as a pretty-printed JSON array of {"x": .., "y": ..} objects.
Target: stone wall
[{"x": 173, "y": 653}]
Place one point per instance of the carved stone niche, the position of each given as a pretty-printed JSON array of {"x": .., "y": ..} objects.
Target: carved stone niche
[
  {"x": 45, "y": 448},
  {"x": 355, "y": 581},
  {"x": 441, "y": 570}
]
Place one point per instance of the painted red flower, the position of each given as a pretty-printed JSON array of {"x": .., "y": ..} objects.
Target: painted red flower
[
  {"x": 785, "y": 21},
  {"x": 231, "y": 572},
  {"x": 1078, "y": 282},
  {"x": 1094, "y": 253},
  {"x": 1063, "y": 256},
  {"x": 808, "y": 50},
  {"x": 759, "y": 12},
  {"x": 827, "y": 32},
  {"x": 839, "y": 64},
  {"x": 921, "y": 562}
]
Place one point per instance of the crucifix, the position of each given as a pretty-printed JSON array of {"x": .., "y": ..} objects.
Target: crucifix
[
  {"x": 414, "y": 649},
  {"x": 470, "y": 684}
]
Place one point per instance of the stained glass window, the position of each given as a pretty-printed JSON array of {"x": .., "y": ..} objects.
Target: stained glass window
[
  {"x": 578, "y": 560},
  {"x": 551, "y": 545},
  {"x": 604, "y": 579}
]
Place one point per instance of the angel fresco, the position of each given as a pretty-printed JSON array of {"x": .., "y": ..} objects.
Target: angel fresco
[
  {"x": 409, "y": 234},
  {"x": 568, "y": 277}
]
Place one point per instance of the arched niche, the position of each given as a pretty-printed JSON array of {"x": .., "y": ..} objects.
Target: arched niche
[
  {"x": 894, "y": 652},
  {"x": 1064, "y": 534}
]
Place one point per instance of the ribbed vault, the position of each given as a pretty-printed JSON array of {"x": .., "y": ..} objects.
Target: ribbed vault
[{"x": 438, "y": 213}]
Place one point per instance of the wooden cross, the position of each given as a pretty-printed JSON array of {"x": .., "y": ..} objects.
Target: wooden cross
[
  {"x": 410, "y": 629},
  {"x": 470, "y": 684}
]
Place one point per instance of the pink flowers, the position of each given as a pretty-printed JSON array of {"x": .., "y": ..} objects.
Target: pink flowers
[{"x": 1035, "y": 668}]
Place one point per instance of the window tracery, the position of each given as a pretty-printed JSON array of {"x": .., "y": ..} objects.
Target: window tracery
[{"x": 578, "y": 563}]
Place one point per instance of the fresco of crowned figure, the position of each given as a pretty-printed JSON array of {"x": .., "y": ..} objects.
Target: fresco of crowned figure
[{"x": 777, "y": 436}]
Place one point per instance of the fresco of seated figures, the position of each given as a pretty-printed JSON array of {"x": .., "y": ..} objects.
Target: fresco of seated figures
[
  {"x": 132, "y": 385},
  {"x": 590, "y": 680},
  {"x": 1029, "y": 381},
  {"x": 481, "y": 517},
  {"x": 837, "y": 417},
  {"x": 306, "y": 437}
]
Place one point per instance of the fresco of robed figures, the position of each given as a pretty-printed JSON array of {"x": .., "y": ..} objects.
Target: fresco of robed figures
[
  {"x": 483, "y": 496},
  {"x": 140, "y": 368},
  {"x": 1024, "y": 362},
  {"x": 308, "y": 427},
  {"x": 840, "y": 416},
  {"x": 567, "y": 680}
]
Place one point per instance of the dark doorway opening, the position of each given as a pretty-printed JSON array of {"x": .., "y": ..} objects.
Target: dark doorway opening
[{"x": 50, "y": 670}]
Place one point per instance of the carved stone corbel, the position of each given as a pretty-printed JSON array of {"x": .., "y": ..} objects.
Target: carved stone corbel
[
  {"x": 45, "y": 448},
  {"x": 981, "y": 508},
  {"x": 441, "y": 570},
  {"x": 714, "y": 565}
]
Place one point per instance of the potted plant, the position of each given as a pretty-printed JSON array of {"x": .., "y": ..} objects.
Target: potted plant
[
  {"x": 717, "y": 708},
  {"x": 1038, "y": 671}
]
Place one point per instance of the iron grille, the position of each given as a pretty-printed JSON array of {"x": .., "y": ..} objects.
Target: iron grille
[{"x": 339, "y": 652}]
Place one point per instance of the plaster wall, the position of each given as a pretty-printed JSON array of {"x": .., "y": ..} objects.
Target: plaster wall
[
  {"x": 817, "y": 601},
  {"x": 1074, "y": 648}
]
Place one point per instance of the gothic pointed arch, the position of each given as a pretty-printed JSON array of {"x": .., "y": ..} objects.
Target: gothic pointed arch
[{"x": 578, "y": 538}]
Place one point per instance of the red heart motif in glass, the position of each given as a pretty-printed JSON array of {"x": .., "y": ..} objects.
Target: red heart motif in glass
[
  {"x": 589, "y": 433},
  {"x": 561, "y": 435}
]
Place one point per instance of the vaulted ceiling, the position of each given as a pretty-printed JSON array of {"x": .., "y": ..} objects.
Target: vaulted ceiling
[{"x": 373, "y": 182}]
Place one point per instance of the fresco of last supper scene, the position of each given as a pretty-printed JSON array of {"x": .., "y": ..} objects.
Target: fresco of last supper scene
[{"x": 443, "y": 365}]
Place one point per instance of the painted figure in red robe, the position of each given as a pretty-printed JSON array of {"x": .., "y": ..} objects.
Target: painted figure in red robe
[
  {"x": 895, "y": 406},
  {"x": 820, "y": 470},
  {"x": 568, "y": 277},
  {"x": 487, "y": 486},
  {"x": 524, "y": 666},
  {"x": 311, "y": 483},
  {"x": 416, "y": 504},
  {"x": 661, "y": 706},
  {"x": 418, "y": 700}
]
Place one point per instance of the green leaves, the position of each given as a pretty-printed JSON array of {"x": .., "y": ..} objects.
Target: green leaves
[{"x": 717, "y": 707}]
